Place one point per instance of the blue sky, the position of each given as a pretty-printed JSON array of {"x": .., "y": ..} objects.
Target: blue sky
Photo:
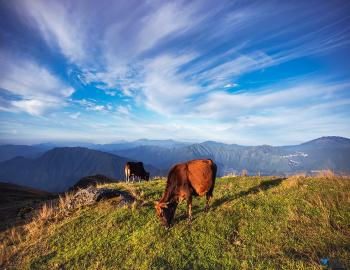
[{"x": 247, "y": 72}]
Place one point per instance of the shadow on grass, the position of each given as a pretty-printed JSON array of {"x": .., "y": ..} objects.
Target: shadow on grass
[
  {"x": 184, "y": 216},
  {"x": 196, "y": 210},
  {"x": 161, "y": 263},
  {"x": 262, "y": 187},
  {"x": 37, "y": 263}
]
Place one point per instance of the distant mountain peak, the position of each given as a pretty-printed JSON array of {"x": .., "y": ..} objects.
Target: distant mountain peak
[
  {"x": 156, "y": 142},
  {"x": 328, "y": 139},
  {"x": 213, "y": 143}
]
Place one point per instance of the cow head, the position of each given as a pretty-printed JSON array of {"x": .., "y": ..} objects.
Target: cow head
[{"x": 166, "y": 212}]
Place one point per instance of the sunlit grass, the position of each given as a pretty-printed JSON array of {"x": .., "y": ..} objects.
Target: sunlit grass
[{"x": 253, "y": 223}]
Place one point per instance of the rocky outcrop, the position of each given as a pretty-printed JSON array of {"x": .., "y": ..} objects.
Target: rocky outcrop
[
  {"x": 92, "y": 180},
  {"x": 91, "y": 195}
]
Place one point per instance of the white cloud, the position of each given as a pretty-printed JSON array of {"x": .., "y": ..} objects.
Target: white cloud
[
  {"x": 230, "y": 85},
  {"x": 125, "y": 110},
  {"x": 91, "y": 105},
  {"x": 98, "y": 108},
  {"x": 36, "y": 89},
  {"x": 33, "y": 106},
  {"x": 75, "y": 115},
  {"x": 169, "y": 18},
  {"x": 236, "y": 67},
  {"x": 124, "y": 43},
  {"x": 58, "y": 25},
  {"x": 111, "y": 93},
  {"x": 165, "y": 90},
  {"x": 224, "y": 105}
]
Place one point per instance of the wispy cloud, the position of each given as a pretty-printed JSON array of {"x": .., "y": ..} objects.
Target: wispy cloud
[
  {"x": 35, "y": 88},
  {"x": 224, "y": 105},
  {"x": 187, "y": 64},
  {"x": 231, "y": 85},
  {"x": 92, "y": 105},
  {"x": 165, "y": 90},
  {"x": 75, "y": 115},
  {"x": 124, "y": 110},
  {"x": 59, "y": 25}
]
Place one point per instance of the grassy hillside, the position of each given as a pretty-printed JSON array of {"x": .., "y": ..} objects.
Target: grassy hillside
[
  {"x": 18, "y": 201},
  {"x": 253, "y": 223}
]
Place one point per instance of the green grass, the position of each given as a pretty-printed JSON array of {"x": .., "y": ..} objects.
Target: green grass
[{"x": 253, "y": 223}]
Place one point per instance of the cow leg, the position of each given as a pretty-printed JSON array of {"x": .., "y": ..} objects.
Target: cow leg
[
  {"x": 189, "y": 208},
  {"x": 209, "y": 196}
]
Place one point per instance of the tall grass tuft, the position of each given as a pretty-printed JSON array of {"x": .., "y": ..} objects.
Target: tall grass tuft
[
  {"x": 244, "y": 172},
  {"x": 326, "y": 174},
  {"x": 43, "y": 217}
]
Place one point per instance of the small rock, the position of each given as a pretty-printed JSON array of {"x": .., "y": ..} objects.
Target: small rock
[{"x": 91, "y": 194}]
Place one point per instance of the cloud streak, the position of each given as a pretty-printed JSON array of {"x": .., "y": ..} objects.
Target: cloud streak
[{"x": 59, "y": 27}]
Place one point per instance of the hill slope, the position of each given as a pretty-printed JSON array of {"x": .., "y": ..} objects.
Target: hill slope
[
  {"x": 253, "y": 223},
  {"x": 16, "y": 201},
  {"x": 59, "y": 168}
]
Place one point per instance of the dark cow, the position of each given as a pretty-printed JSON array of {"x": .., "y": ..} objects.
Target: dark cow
[
  {"x": 135, "y": 169},
  {"x": 195, "y": 177}
]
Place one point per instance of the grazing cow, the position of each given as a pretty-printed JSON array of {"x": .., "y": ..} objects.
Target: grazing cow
[
  {"x": 135, "y": 169},
  {"x": 195, "y": 177}
]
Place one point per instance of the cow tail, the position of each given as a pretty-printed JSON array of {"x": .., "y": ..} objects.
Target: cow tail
[
  {"x": 126, "y": 170},
  {"x": 214, "y": 170}
]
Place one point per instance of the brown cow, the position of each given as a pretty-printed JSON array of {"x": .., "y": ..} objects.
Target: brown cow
[
  {"x": 195, "y": 177},
  {"x": 135, "y": 169}
]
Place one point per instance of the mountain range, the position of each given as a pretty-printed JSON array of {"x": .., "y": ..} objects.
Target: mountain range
[
  {"x": 60, "y": 168},
  {"x": 8, "y": 151},
  {"x": 53, "y": 168},
  {"x": 323, "y": 153}
]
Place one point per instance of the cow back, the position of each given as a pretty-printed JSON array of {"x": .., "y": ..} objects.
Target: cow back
[
  {"x": 201, "y": 175},
  {"x": 136, "y": 168}
]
